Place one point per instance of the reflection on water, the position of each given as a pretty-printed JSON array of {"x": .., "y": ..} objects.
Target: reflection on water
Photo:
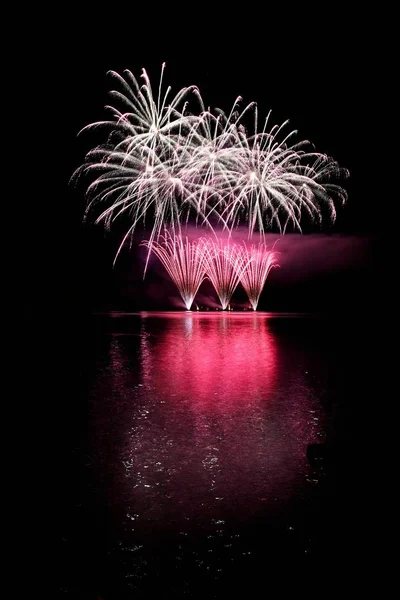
[
  {"x": 200, "y": 424},
  {"x": 216, "y": 364}
]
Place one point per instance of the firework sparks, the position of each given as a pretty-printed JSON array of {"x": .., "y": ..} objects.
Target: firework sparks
[
  {"x": 149, "y": 125},
  {"x": 224, "y": 265},
  {"x": 141, "y": 170},
  {"x": 275, "y": 182},
  {"x": 214, "y": 152},
  {"x": 160, "y": 165},
  {"x": 258, "y": 263},
  {"x": 184, "y": 261}
]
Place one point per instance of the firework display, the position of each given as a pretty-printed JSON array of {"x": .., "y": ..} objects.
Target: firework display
[
  {"x": 258, "y": 262},
  {"x": 224, "y": 263},
  {"x": 161, "y": 165},
  {"x": 184, "y": 261},
  {"x": 168, "y": 160}
]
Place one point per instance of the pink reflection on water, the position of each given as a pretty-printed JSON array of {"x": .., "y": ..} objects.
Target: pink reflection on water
[
  {"x": 204, "y": 417},
  {"x": 221, "y": 362}
]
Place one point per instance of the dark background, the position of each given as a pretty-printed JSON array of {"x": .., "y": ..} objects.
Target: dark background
[
  {"x": 329, "y": 72},
  {"x": 325, "y": 72}
]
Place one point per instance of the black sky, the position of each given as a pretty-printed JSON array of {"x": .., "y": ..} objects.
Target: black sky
[
  {"x": 327, "y": 69},
  {"x": 323, "y": 71}
]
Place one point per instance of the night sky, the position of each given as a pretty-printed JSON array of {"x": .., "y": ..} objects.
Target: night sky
[
  {"x": 321, "y": 78},
  {"x": 326, "y": 71}
]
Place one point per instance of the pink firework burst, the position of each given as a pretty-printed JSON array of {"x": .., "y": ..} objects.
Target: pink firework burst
[
  {"x": 183, "y": 260},
  {"x": 224, "y": 266},
  {"x": 258, "y": 263}
]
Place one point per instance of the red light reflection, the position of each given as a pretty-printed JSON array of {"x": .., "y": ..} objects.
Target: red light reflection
[
  {"x": 221, "y": 362},
  {"x": 203, "y": 417}
]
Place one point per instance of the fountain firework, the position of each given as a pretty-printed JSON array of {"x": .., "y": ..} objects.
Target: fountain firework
[
  {"x": 184, "y": 262},
  {"x": 161, "y": 163},
  {"x": 224, "y": 266},
  {"x": 224, "y": 263},
  {"x": 258, "y": 263}
]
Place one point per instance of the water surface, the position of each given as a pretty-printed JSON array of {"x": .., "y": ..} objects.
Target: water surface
[{"x": 195, "y": 467}]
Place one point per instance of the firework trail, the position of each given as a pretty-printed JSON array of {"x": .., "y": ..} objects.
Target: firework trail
[
  {"x": 215, "y": 155},
  {"x": 160, "y": 165},
  {"x": 141, "y": 170},
  {"x": 275, "y": 182},
  {"x": 224, "y": 266},
  {"x": 149, "y": 125},
  {"x": 258, "y": 263},
  {"x": 183, "y": 260}
]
